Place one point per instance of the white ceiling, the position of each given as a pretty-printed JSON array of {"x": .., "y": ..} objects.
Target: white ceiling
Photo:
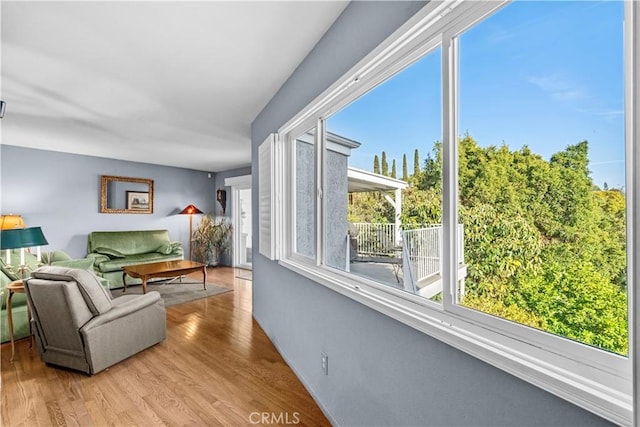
[{"x": 170, "y": 83}]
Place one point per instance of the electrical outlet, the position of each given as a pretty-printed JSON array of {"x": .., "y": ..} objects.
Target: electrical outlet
[{"x": 324, "y": 363}]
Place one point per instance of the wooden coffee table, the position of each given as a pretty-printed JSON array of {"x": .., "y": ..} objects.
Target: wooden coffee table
[{"x": 163, "y": 269}]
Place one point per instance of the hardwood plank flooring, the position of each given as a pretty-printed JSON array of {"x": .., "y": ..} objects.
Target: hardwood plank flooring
[{"x": 216, "y": 367}]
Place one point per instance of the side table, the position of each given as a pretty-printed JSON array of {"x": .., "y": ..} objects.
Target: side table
[{"x": 15, "y": 287}]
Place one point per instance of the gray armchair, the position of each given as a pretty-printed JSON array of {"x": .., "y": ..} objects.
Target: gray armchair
[{"x": 77, "y": 325}]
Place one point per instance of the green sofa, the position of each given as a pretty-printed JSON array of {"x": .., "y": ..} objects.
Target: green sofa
[
  {"x": 18, "y": 302},
  {"x": 113, "y": 250}
]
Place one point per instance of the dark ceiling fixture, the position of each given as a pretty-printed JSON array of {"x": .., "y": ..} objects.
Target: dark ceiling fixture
[{"x": 2, "y": 107}]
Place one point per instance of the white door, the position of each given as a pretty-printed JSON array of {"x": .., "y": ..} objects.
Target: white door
[{"x": 243, "y": 221}]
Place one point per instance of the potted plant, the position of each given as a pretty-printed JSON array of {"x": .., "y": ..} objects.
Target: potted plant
[
  {"x": 211, "y": 240},
  {"x": 221, "y": 240}
]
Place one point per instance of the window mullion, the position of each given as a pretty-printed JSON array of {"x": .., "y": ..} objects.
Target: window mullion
[
  {"x": 449, "y": 172},
  {"x": 320, "y": 185},
  {"x": 291, "y": 208},
  {"x": 632, "y": 118}
]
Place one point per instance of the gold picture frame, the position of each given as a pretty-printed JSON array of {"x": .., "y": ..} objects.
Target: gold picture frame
[{"x": 125, "y": 195}]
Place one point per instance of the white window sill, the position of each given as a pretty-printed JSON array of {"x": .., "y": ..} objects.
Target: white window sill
[{"x": 604, "y": 393}]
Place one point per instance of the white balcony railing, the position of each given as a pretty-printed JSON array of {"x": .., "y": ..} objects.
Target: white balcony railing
[
  {"x": 423, "y": 248},
  {"x": 421, "y": 253},
  {"x": 375, "y": 239},
  {"x": 422, "y": 257}
]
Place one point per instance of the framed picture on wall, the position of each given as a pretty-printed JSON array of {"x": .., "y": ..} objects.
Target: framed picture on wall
[{"x": 137, "y": 200}]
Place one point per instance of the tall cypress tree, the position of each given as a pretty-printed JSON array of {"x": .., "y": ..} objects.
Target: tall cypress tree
[
  {"x": 416, "y": 163},
  {"x": 393, "y": 168},
  {"x": 376, "y": 164},
  {"x": 385, "y": 165},
  {"x": 405, "y": 176}
]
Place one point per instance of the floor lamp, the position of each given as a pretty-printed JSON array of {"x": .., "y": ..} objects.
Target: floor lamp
[{"x": 190, "y": 210}]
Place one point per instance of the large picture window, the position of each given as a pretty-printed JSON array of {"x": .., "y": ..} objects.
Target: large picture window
[
  {"x": 384, "y": 216},
  {"x": 541, "y": 169},
  {"x": 469, "y": 178}
]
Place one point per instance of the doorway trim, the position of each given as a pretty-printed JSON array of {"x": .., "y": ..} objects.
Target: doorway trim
[{"x": 237, "y": 183}]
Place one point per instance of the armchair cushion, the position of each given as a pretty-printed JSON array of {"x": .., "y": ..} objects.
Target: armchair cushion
[
  {"x": 96, "y": 297},
  {"x": 123, "y": 306}
]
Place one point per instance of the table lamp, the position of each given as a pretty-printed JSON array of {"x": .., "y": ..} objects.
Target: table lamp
[
  {"x": 11, "y": 221},
  {"x": 8, "y": 222},
  {"x": 21, "y": 238}
]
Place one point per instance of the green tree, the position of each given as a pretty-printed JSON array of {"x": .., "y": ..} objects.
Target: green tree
[
  {"x": 431, "y": 177},
  {"x": 605, "y": 243},
  {"x": 369, "y": 207},
  {"x": 577, "y": 302},
  {"x": 385, "y": 165},
  {"x": 498, "y": 244},
  {"x": 376, "y": 164},
  {"x": 543, "y": 245},
  {"x": 571, "y": 198},
  {"x": 405, "y": 175},
  {"x": 421, "y": 208}
]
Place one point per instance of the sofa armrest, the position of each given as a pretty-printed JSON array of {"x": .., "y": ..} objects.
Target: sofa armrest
[
  {"x": 123, "y": 306},
  {"x": 49, "y": 257},
  {"x": 176, "y": 248},
  {"x": 97, "y": 260}
]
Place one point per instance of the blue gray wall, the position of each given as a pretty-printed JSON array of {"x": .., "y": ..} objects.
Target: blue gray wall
[
  {"x": 61, "y": 193},
  {"x": 381, "y": 372}
]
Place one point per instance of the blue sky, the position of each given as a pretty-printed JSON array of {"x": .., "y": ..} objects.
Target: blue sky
[{"x": 542, "y": 74}]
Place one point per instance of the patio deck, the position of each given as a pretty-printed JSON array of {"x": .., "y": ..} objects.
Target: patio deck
[
  {"x": 378, "y": 271},
  {"x": 413, "y": 265}
]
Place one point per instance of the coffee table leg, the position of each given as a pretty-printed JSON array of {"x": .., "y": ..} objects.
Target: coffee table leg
[
  {"x": 144, "y": 285},
  {"x": 204, "y": 277},
  {"x": 124, "y": 281}
]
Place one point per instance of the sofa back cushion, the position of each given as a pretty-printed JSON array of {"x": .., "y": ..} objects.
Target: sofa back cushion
[
  {"x": 95, "y": 295},
  {"x": 117, "y": 244}
]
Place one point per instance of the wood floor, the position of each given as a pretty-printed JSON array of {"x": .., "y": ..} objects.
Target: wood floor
[{"x": 216, "y": 367}]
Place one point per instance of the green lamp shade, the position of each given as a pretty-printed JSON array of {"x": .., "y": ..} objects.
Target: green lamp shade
[{"x": 22, "y": 238}]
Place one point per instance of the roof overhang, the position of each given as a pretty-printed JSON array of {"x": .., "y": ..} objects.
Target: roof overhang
[{"x": 361, "y": 181}]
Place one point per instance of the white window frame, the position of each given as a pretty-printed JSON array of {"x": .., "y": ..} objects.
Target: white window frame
[
  {"x": 290, "y": 148},
  {"x": 593, "y": 379}
]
